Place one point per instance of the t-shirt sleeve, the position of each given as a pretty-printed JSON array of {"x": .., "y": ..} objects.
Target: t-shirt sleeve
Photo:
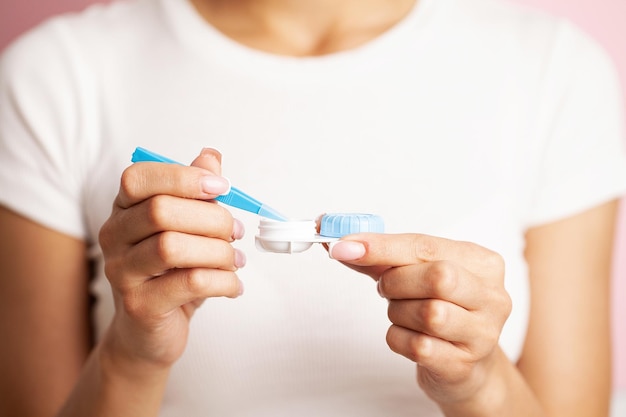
[
  {"x": 580, "y": 139},
  {"x": 40, "y": 127}
]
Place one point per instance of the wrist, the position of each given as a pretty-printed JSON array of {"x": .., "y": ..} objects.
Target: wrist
[
  {"x": 489, "y": 396},
  {"x": 118, "y": 362},
  {"x": 111, "y": 385},
  {"x": 503, "y": 391}
]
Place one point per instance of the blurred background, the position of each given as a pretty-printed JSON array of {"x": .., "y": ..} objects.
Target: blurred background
[{"x": 605, "y": 20}]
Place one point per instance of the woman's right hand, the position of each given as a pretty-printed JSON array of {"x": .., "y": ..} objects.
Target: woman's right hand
[{"x": 166, "y": 251}]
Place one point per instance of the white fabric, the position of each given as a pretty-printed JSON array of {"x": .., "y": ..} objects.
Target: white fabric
[
  {"x": 618, "y": 404},
  {"x": 471, "y": 119}
]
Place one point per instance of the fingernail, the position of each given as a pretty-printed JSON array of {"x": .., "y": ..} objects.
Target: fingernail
[
  {"x": 238, "y": 229},
  {"x": 240, "y": 258},
  {"x": 241, "y": 288},
  {"x": 216, "y": 185},
  {"x": 211, "y": 152},
  {"x": 346, "y": 250}
]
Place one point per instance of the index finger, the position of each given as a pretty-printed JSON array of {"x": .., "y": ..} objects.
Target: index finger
[
  {"x": 392, "y": 250},
  {"x": 143, "y": 180}
]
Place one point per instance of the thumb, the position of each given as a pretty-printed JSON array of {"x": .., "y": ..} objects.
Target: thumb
[
  {"x": 210, "y": 159},
  {"x": 350, "y": 253}
]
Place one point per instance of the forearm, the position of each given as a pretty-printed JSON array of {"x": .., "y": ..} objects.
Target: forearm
[
  {"x": 110, "y": 386},
  {"x": 505, "y": 393}
]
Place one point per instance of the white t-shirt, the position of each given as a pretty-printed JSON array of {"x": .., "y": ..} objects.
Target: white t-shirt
[{"x": 470, "y": 119}]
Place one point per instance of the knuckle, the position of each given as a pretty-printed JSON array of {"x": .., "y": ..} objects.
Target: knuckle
[
  {"x": 425, "y": 248},
  {"x": 389, "y": 340},
  {"x": 157, "y": 208},
  {"x": 385, "y": 248},
  {"x": 434, "y": 315},
  {"x": 394, "y": 311},
  {"x": 500, "y": 302},
  {"x": 195, "y": 281},
  {"x": 105, "y": 235},
  {"x": 494, "y": 260},
  {"x": 420, "y": 348},
  {"x": 486, "y": 338},
  {"x": 168, "y": 248},
  {"x": 111, "y": 266},
  {"x": 506, "y": 304},
  {"x": 130, "y": 181},
  {"x": 133, "y": 305},
  {"x": 443, "y": 277}
]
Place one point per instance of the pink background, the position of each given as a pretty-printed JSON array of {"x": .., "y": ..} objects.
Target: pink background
[{"x": 603, "y": 19}]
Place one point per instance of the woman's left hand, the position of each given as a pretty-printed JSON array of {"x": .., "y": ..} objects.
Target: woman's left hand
[{"x": 447, "y": 305}]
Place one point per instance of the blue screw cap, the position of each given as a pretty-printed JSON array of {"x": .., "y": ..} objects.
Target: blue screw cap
[{"x": 341, "y": 224}]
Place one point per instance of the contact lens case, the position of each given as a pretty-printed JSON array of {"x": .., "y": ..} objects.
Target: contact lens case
[{"x": 294, "y": 236}]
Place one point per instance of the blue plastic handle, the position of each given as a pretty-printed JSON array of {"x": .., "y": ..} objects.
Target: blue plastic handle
[{"x": 234, "y": 198}]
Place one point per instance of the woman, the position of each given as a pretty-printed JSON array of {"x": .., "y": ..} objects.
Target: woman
[{"x": 487, "y": 137}]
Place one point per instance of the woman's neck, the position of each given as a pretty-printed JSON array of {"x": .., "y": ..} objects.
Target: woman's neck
[{"x": 303, "y": 27}]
